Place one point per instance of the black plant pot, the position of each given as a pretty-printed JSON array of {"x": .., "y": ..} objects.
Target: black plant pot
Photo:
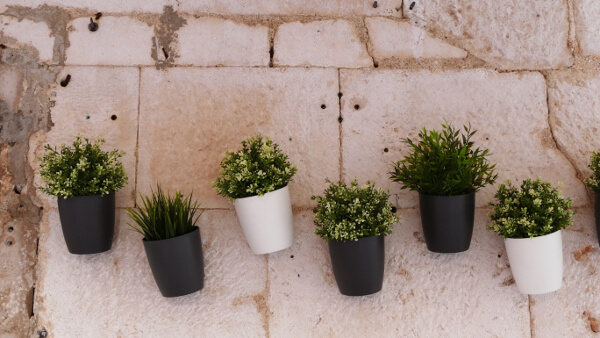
[
  {"x": 358, "y": 265},
  {"x": 447, "y": 222},
  {"x": 597, "y": 213},
  {"x": 88, "y": 222},
  {"x": 177, "y": 264}
]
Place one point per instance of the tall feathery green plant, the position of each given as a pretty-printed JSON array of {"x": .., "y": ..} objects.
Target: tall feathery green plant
[{"x": 162, "y": 216}]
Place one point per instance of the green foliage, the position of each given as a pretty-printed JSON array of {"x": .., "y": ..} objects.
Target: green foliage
[
  {"x": 594, "y": 181},
  {"x": 347, "y": 213},
  {"x": 258, "y": 168},
  {"x": 81, "y": 170},
  {"x": 163, "y": 216},
  {"x": 536, "y": 209},
  {"x": 444, "y": 164}
]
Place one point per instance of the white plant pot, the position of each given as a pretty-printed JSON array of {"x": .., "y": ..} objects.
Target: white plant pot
[
  {"x": 267, "y": 221},
  {"x": 536, "y": 263}
]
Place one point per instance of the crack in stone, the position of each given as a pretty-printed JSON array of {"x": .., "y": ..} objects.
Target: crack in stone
[{"x": 367, "y": 43}]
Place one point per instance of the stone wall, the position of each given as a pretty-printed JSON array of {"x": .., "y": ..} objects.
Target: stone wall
[{"x": 338, "y": 84}]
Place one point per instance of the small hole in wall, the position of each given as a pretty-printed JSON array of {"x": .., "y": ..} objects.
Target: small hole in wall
[
  {"x": 412, "y": 5},
  {"x": 9, "y": 242},
  {"x": 3, "y": 46},
  {"x": 375, "y": 64},
  {"x": 290, "y": 138},
  {"x": 356, "y": 106},
  {"x": 499, "y": 255},
  {"x": 323, "y": 106},
  {"x": 385, "y": 150},
  {"x": 298, "y": 275},
  {"x": 270, "y": 64},
  {"x": 87, "y": 117},
  {"x": 340, "y": 95},
  {"x": 92, "y": 26},
  {"x": 375, "y": 4},
  {"x": 17, "y": 190},
  {"x": 10, "y": 229},
  {"x": 165, "y": 53},
  {"x": 292, "y": 256},
  {"x": 271, "y": 52},
  {"x": 41, "y": 208},
  {"x": 394, "y": 210},
  {"x": 487, "y": 138},
  {"x": 98, "y": 15},
  {"x": 65, "y": 81},
  {"x": 340, "y": 119},
  {"x": 113, "y": 117}
]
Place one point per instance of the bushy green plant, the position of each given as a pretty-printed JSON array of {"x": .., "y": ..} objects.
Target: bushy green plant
[
  {"x": 258, "y": 168},
  {"x": 347, "y": 213},
  {"x": 536, "y": 209},
  {"x": 163, "y": 216},
  {"x": 594, "y": 181},
  {"x": 81, "y": 170},
  {"x": 444, "y": 164}
]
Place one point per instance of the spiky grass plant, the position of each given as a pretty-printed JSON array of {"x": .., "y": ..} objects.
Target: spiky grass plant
[{"x": 163, "y": 216}]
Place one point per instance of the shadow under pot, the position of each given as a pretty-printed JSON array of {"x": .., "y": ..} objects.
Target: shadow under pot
[
  {"x": 447, "y": 222},
  {"x": 177, "y": 263},
  {"x": 358, "y": 266},
  {"x": 88, "y": 222},
  {"x": 536, "y": 263},
  {"x": 267, "y": 221}
]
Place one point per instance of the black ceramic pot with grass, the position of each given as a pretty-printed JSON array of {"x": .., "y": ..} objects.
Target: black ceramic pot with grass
[
  {"x": 447, "y": 222},
  {"x": 358, "y": 266},
  {"x": 88, "y": 223},
  {"x": 177, "y": 263}
]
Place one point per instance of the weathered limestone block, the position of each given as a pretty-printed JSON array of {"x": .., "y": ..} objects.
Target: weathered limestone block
[
  {"x": 114, "y": 293},
  {"x": 508, "y": 110},
  {"x": 326, "y": 43},
  {"x": 389, "y": 38},
  {"x": 573, "y": 311},
  {"x": 506, "y": 34},
  {"x": 98, "y": 102},
  {"x": 120, "y": 41},
  {"x": 183, "y": 140},
  {"x": 424, "y": 294},
  {"x": 574, "y": 114},
  {"x": 112, "y": 6},
  {"x": 389, "y": 8},
  {"x": 11, "y": 80},
  {"x": 212, "y": 41},
  {"x": 27, "y": 32},
  {"x": 262, "y": 7},
  {"x": 587, "y": 24}
]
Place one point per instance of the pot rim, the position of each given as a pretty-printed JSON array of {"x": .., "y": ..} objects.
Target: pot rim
[
  {"x": 243, "y": 198},
  {"x": 338, "y": 241},
  {"x": 197, "y": 228},
  {"x": 96, "y": 195},
  {"x": 444, "y": 196},
  {"x": 543, "y": 236}
]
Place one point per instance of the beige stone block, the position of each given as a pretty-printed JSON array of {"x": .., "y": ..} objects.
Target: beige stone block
[
  {"x": 389, "y": 8},
  {"x": 11, "y": 86},
  {"x": 424, "y": 294},
  {"x": 114, "y": 293},
  {"x": 587, "y": 24},
  {"x": 509, "y": 111},
  {"x": 574, "y": 112},
  {"x": 389, "y": 38},
  {"x": 506, "y": 34},
  {"x": 212, "y": 41},
  {"x": 86, "y": 107},
  {"x": 263, "y": 7},
  {"x": 574, "y": 310},
  {"x": 326, "y": 43},
  {"x": 109, "y": 6},
  {"x": 27, "y": 32},
  {"x": 183, "y": 140},
  {"x": 120, "y": 41}
]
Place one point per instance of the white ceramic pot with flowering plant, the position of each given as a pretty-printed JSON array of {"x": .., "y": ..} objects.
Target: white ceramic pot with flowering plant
[
  {"x": 256, "y": 178},
  {"x": 530, "y": 219}
]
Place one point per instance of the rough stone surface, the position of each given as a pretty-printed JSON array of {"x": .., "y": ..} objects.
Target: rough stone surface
[
  {"x": 114, "y": 293},
  {"x": 506, "y": 34},
  {"x": 587, "y": 23},
  {"x": 108, "y": 45},
  {"x": 251, "y": 7},
  {"x": 424, "y": 294},
  {"x": 394, "y": 105},
  {"x": 213, "y": 41},
  {"x": 112, "y": 6},
  {"x": 15, "y": 32},
  {"x": 326, "y": 43},
  {"x": 98, "y": 93},
  {"x": 183, "y": 141},
  {"x": 389, "y": 38},
  {"x": 574, "y": 114},
  {"x": 11, "y": 79},
  {"x": 573, "y": 311}
]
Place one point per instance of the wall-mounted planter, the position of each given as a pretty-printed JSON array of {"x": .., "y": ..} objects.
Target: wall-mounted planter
[
  {"x": 267, "y": 221},
  {"x": 447, "y": 222},
  {"x": 358, "y": 266},
  {"x": 88, "y": 222},
  {"x": 177, "y": 264},
  {"x": 536, "y": 263},
  {"x": 597, "y": 213}
]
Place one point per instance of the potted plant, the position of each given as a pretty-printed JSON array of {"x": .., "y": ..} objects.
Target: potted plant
[
  {"x": 531, "y": 219},
  {"x": 171, "y": 240},
  {"x": 354, "y": 220},
  {"x": 593, "y": 182},
  {"x": 84, "y": 179},
  {"x": 446, "y": 170},
  {"x": 256, "y": 179}
]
